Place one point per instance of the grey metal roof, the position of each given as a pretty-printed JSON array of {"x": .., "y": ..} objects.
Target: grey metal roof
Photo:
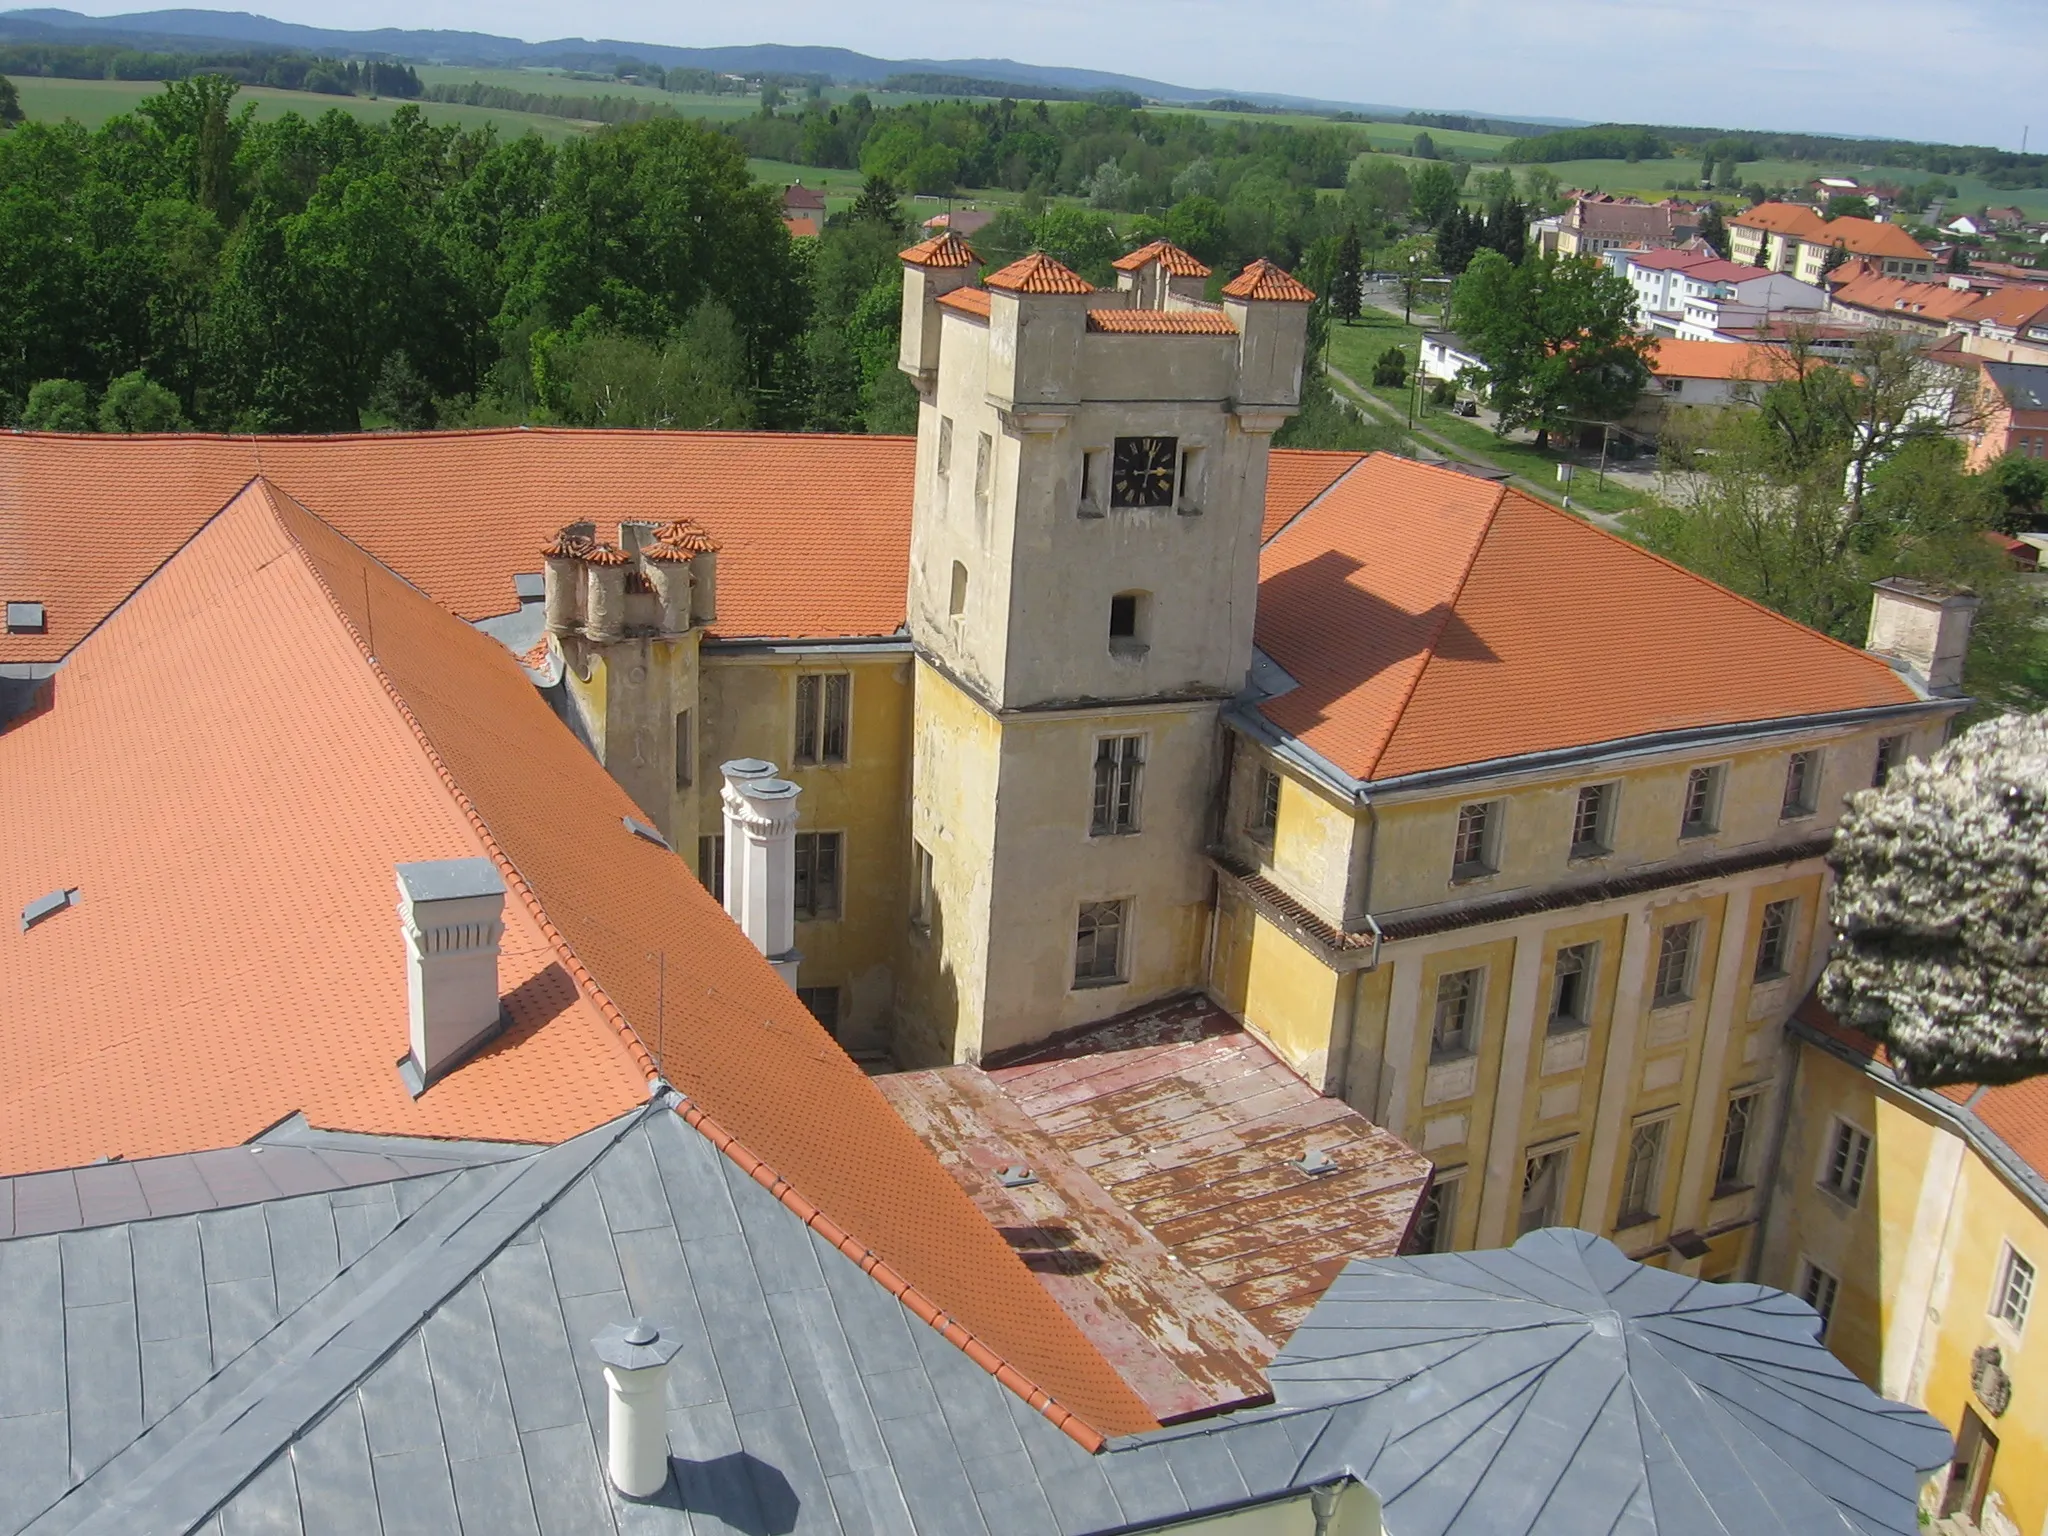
[
  {"x": 2024, "y": 385},
  {"x": 415, "y": 1357}
]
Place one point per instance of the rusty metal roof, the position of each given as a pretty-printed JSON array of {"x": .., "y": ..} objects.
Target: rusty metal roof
[{"x": 1168, "y": 1212}]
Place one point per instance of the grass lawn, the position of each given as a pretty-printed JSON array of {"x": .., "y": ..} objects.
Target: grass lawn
[{"x": 92, "y": 102}]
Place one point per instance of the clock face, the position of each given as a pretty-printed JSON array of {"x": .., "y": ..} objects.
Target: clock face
[{"x": 1141, "y": 473}]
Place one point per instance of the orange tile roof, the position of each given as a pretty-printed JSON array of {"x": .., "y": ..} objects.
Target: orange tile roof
[
  {"x": 1170, "y": 256},
  {"x": 943, "y": 250},
  {"x": 1038, "y": 273},
  {"x": 801, "y": 226},
  {"x": 1433, "y": 620},
  {"x": 234, "y": 948},
  {"x": 1732, "y": 360},
  {"x": 1263, "y": 280},
  {"x": 460, "y": 512},
  {"x": 1297, "y": 476},
  {"x": 1865, "y": 237},
  {"x": 1161, "y": 322},
  {"x": 1871, "y": 290},
  {"x": 2008, "y": 307},
  {"x": 966, "y": 301}
]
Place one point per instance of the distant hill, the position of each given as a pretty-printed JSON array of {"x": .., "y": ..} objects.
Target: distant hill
[{"x": 159, "y": 29}]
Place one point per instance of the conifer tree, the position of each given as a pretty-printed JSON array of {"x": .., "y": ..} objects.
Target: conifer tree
[
  {"x": 877, "y": 204},
  {"x": 1346, "y": 281}
]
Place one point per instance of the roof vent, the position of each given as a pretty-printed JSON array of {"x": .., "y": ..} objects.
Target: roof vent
[
  {"x": 636, "y": 1357},
  {"x": 452, "y": 912},
  {"x": 640, "y": 829},
  {"x": 26, "y": 619},
  {"x": 1016, "y": 1176},
  {"x": 1315, "y": 1163},
  {"x": 48, "y": 906}
]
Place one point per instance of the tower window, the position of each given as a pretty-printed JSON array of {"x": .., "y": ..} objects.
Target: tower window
[
  {"x": 923, "y": 894},
  {"x": 957, "y": 603},
  {"x": 822, "y": 706},
  {"x": 686, "y": 751},
  {"x": 637, "y": 585},
  {"x": 817, "y": 875},
  {"x": 1127, "y": 621},
  {"x": 1099, "y": 944},
  {"x": 984, "y": 472},
  {"x": 945, "y": 446},
  {"x": 1119, "y": 761},
  {"x": 1094, "y": 471},
  {"x": 1191, "y": 481}
]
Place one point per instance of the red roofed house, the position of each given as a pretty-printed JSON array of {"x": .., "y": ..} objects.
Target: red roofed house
[
  {"x": 1791, "y": 237},
  {"x": 1448, "y": 823}
]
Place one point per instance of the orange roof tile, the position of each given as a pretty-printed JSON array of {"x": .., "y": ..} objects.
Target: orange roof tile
[
  {"x": 1433, "y": 620},
  {"x": 943, "y": 250},
  {"x": 2008, "y": 307},
  {"x": 1161, "y": 322},
  {"x": 966, "y": 301},
  {"x": 1869, "y": 289},
  {"x": 1732, "y": 360},
  {"x": 1297, "y": 476},
  {"x": 1038, "y": 273},
  {"x": 1170, "y": 256},
  {"x": 1263, "y": 280},
  {"x": 687, "y": 536},
  {"x": 461, "y": 512},
  {"x": 235, "y": 948},
  {"x": 800, "y": 226},
  {"x": 1865, "y": 237}
]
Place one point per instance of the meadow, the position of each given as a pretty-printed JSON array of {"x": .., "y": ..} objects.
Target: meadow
[
  {"x": 1646, "y": 179},
  {"x": 92, "y": 102}
]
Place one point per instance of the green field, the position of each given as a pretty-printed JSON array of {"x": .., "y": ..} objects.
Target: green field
[
  {"x": 1646, "y": 179},
  {"x": 92, "y": 102}
]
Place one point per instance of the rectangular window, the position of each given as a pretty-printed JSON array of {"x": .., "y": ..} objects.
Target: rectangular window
[
  {"x": 1119, "y": 762},
  {"x": 1640, "y": 1178},
  {"x": 1472, "y": 852},
  {"x": 923, "y": 898},
  {"x": 1436, "y": 1222},
  {"x": 711, "y": 864},
  {"x": 1590, "y": 820},
  {"x": 1674, "y": 964},
  {"x": 1542, "y": 1191},
  {"x": 686, "y": 751},
  {"x": 1265, "y": 804},
  {"x": 1732, "y": 1171},
  {"x": 1847, "y": 1159},
  {"x": 2015, "y": 1290},
  {"x": 823, "y": 1002},
  {"x": 1702, "y": 802},
  {"x": 822, "y": 700},
  {"x": 984, "y": 471},
  {"x": 1094, "y": 470},
  {"x": 1571, "y": 988},
  {"x": 1891, "y": 751},
  {"x": 1190, "y": 488},
  {"x": 1456, "y": 1030},
  {"x": 945, "y": 446},
  {"x": 817, "y": 875},
  {"x": 1774, "y": 939},
  {"x": 1802, "y": 785},
  {"x": 1817, "y": 1288},
  {"x": 1099, "y": 943}
]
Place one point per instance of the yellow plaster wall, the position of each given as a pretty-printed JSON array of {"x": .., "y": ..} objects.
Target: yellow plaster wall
[
  {"x": 748, "y": 709},
  {"x": 1286, "y": 994}
]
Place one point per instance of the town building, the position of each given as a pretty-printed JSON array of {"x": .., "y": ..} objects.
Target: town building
[
  {"x": 1448, "y": 356},
  {"x": 1730, "y": 302},
  {"x": 1791, "y": 237},
  {"x": 1915, "y": 1221},
  {"x": 2004, "y": 407},
  {"x": 1599, "y": 222}
]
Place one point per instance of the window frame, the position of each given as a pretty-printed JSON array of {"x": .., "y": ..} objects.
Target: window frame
[
  {"x": 2015, "y": 1272},
  {"x": 1601, "y": 843},
  {"x": 1119, "y": 908},
  {"x": 1485, "y": 846},
  {"x": 686, "y": 749},
  {"x": 804, "y": 995},
  {"x": 812, "y": 742},
  {"x": 1713, "y": 778},
  {"x": 1558, "y": 1157},
  {"x": 1588, "y": 971},
  {"x": 1263, "y": 821},
  {"x": 805, "y": 875},
  {"x": 1116, "y": 786},
  {"x": 1777, "y": 964},
  {"x": 711, "y": 864},
  {"x": 1802, "y": 785},
  {"x": 1437, "y": 1212},
  {"x": 1891, "y": 751},
  {"x": 1738, "y": 1119},
  {"x": 1844, "y": 1161},
  {"x": 1471, "y": 985},
  {"x": 923, "y": 886},
  {"x": 1820, "y": 1288},
  {"x": 984, "y": 472},
  {"x": 1661, "y": 995},
  {"x": 1637, "y": 1206}
]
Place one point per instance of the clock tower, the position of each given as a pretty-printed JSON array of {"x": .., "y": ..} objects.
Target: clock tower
[{"x": 1091, "y": 472}]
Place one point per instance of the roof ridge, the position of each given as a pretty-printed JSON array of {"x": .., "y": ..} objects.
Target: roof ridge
[
  {"x": 1435, "y": 635},
  {"x": 514, "y": 880},
  {"x": 1706, "y": 581},
  {"x": 884, "y": 1274}
]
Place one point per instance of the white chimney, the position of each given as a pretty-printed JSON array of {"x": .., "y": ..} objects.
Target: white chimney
[
  {"x": 760, "y": 859},
  {"x": 636, "y": 1357},
  {"x": 1925, "y": 627},
  {"x": 452, "y": 912}
]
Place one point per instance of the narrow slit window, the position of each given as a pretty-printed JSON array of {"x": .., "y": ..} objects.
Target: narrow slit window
[
  {"x": 1265, "y": 805},
  {"x": 686, "y": 751},
  {"x": 1731, "y": 1173},
  {"x": 711, "y": 864},
  {"x": 956, "y": 603}
]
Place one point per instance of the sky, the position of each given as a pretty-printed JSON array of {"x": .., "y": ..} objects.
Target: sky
[{"x": 1959, "y": 71}]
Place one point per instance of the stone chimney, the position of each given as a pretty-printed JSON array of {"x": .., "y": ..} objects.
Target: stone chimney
[
  {"x": 1923, "y": 628},
  {"x": 760, "y": 859},
  {"x": 452, "y": 913},
  {"x": 562, "y": 562},
  {"x": 636, "y": 1358}
]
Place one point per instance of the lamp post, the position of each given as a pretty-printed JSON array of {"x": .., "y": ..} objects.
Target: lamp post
[{"x": 1408, "y": 289}]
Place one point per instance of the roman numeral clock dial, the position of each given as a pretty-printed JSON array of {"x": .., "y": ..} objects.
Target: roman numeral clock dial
[{"x": 1141, "y": 471}]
